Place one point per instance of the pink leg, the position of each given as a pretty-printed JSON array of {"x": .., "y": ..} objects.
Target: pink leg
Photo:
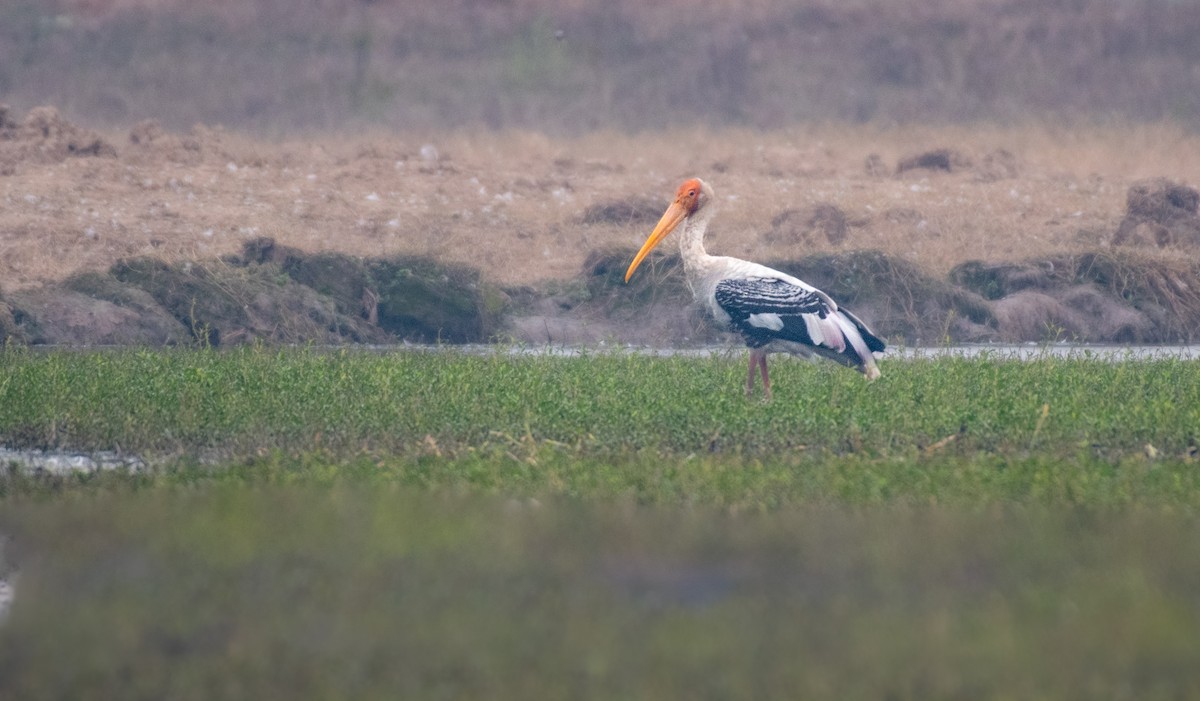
[
  {"x": 762, "y": 364},
  {"x": 750, "y": 374},
  {"x": 758, "y": 363}
]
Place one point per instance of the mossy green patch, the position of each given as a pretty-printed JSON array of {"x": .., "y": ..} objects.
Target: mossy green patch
[
  {"x": 659, "y": 279},
  {"x": 905, "y": 302},
  {"x": 9, "y": 331},
  {"x": 224, "y": 304},
  {"x": 423, "y": 300}
]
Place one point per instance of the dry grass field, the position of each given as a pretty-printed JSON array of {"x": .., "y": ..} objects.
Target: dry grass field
[
  {"x": 521, "y": 137},
  {"x": 516, "y": 204}
]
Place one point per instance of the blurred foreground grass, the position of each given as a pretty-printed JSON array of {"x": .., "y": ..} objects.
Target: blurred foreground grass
[
  {"x": 298, "y": 593},
  {"x": 447, "y": 525}
]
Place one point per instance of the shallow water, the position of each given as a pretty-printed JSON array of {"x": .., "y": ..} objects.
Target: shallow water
[
  {"x": 1014, "y": 351},
  {"x": 7, "y": 592},
  {"x": 1033, "y": 351},
  {"x": 66, "y": 462},
  {"x": 1026, "y": 351}
]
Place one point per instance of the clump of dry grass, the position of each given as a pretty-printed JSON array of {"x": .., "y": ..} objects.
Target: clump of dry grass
[
  {"x": 1160, "y": 212},
  {"x": 1119, "y": 294},
  {"x": 44, "y": 136},
  {"x": 1161, "y": 286}
]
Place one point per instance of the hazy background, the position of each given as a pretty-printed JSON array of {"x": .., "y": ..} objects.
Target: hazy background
[{"x": 287, "y": 66}]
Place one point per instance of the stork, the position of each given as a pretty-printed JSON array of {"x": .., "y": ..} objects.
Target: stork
[{"x": 773, "y": 311}]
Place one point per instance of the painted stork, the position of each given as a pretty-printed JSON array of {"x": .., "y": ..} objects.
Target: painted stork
[{"x": 773, "y": 311}]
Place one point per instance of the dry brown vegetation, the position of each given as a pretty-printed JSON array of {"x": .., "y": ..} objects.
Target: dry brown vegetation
[
  {"x": 277, "y": 66},
  {"x": 525, "y": 207},
  {"x": 871, "y": 145}
]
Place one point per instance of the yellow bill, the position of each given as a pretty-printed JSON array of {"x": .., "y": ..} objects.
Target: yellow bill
[{"x": 670, "y": 219}]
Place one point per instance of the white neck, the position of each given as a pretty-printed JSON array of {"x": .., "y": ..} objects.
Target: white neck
[
  {"x": 696, "y": 261},
  {"x": 691, "y": 243}
]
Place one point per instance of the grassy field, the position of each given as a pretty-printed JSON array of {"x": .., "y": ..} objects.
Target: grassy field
[
  {"x": 454, "y": 525},
  {"x": 666, "y": 430},
  {"x": 253, "y": 401}
]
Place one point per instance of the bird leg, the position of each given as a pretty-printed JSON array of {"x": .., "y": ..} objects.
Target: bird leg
[
  {"x": 762, "y": 364},
  {"x": 758, "y": 361}
]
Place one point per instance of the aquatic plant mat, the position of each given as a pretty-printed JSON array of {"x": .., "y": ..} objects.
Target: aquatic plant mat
[{"x": 448, "y": 525}]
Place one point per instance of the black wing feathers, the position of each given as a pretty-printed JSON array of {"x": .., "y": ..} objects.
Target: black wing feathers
[
  {"x": 874, "y": 343},
  {"x": 743, "y": 297}
]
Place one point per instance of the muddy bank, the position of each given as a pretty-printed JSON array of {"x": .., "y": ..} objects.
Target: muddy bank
[
  {"x": 1138, "y": 284},
  {"x": 280, "y": 295},
  {"x": 269, "y": 294},
  {"x": 1112, "y": 296},
  {"x": 1125, "y": 292}
]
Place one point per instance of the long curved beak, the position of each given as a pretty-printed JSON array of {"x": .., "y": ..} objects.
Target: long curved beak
[{"x": 670, "y": 219}]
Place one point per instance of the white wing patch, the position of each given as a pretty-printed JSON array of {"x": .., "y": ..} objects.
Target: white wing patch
[
  {"x": 812, "y": 324},
  {"x": 766, "y": 321}
]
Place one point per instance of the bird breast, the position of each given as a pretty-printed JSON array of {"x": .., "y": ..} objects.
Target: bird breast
[{"x": 708, "y": 273}]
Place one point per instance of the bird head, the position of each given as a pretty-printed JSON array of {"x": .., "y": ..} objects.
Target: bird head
[{"x": 691, "y": 196}]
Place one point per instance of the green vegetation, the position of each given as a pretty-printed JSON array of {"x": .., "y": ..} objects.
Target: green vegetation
[
  {"x": 350, "y": 524},
  {"x": 661, "y": 430},
  {"x": 246, "y": 402},
  {"x": 345, "y": 593}
]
